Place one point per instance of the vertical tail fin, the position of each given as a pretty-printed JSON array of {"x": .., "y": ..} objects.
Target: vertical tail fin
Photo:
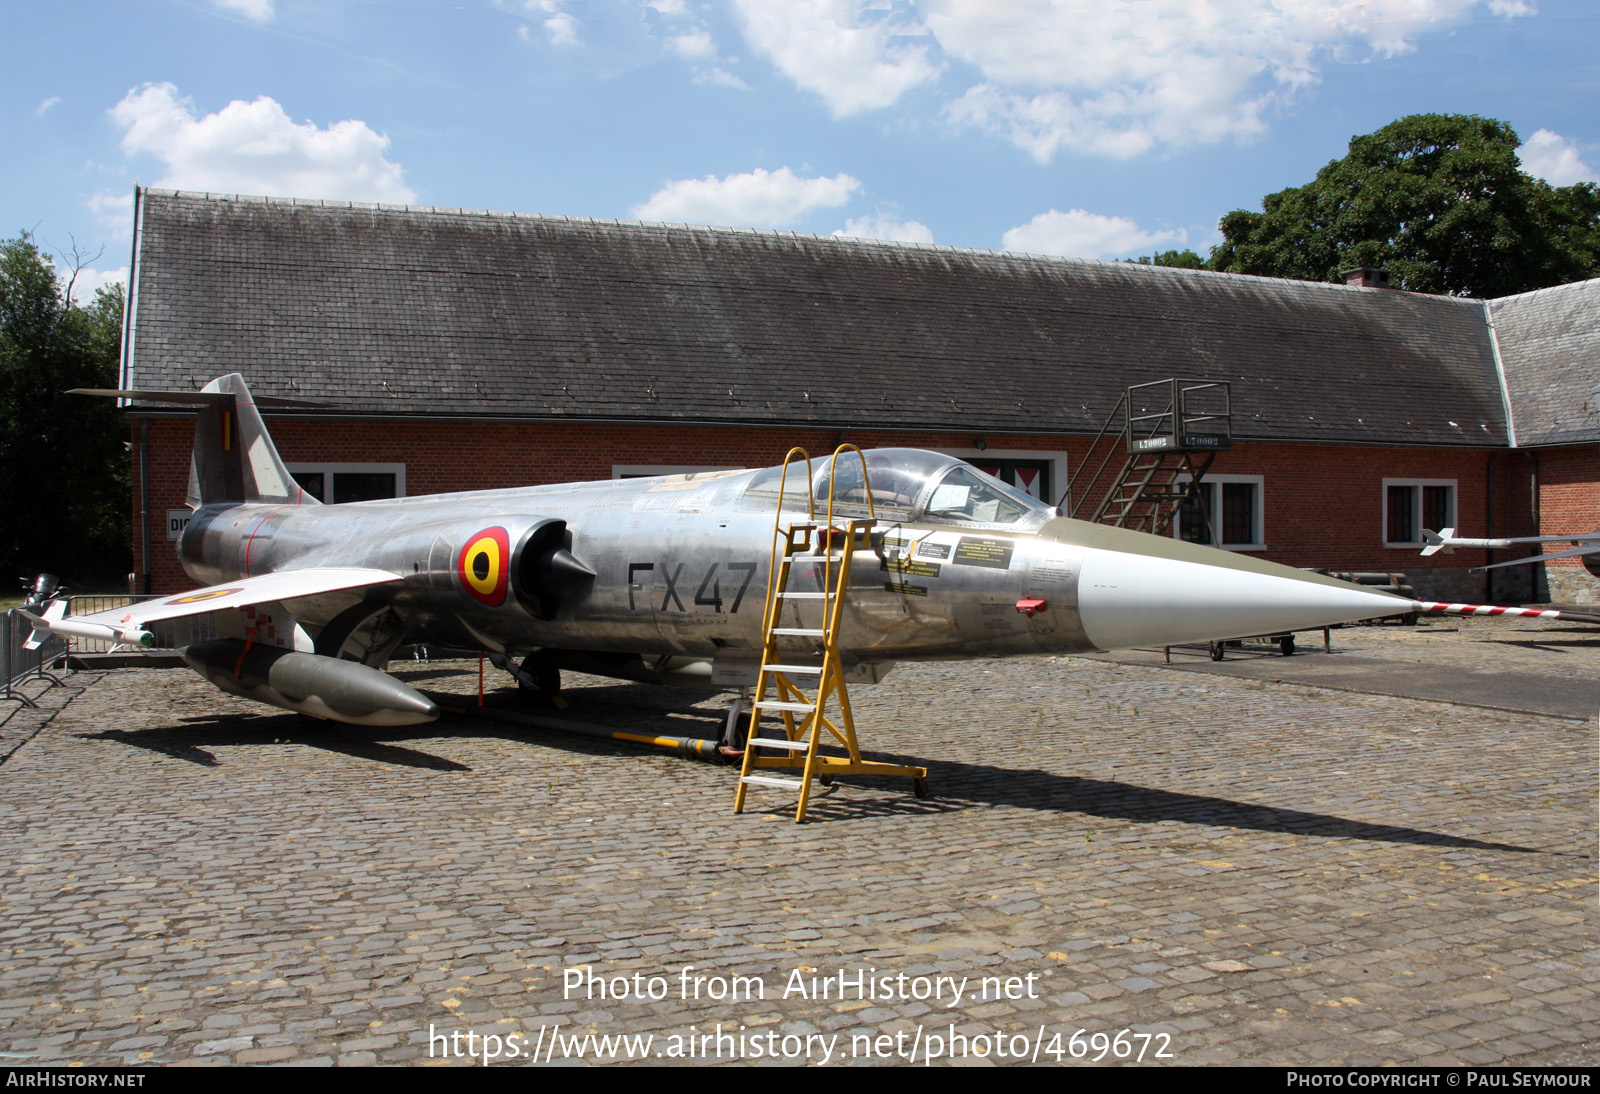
[{"x": 234, "y": 457}]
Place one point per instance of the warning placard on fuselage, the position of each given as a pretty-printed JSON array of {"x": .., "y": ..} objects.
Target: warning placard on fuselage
[
  {"x": 984, "y": 551},
  {"x": 910, "y": 567}
]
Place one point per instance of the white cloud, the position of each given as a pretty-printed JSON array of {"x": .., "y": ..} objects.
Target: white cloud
[
  {"x": 878, "y": 226},
  {"x": 721, "y": 77},
  {"x": 757, "y": 199},
  {"x": 1554, "y": 158},
  {"x": 1078, "y": 233},
  {"x": 1118, "y": 78},
  {"x": 561, "y": 29},
  {"x": 257, "y": 11},
  {"x": 694, "y": 46},
  {"x": 253, "y": 148},
  {"x": 1109, "y": 77},
  {"x": 666, "y": 7},
  {"x": 834, "y": 48},
  {"x": 114, "y": 211},
  {"x": 46, "y": 105}
]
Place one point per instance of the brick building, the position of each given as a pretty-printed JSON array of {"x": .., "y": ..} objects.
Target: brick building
[{"x": 456, "y": 349}]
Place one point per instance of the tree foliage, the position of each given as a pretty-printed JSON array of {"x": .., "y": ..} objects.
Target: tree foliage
[
  {"x": 1438, "y": 200},
  {"x": 64, "y": 475},
  {"x": 1183, "y": 260}
]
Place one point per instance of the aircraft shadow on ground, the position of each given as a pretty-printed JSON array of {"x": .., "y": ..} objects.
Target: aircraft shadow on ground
[
  {"x": 1114, "y": 800},
  {"x": 194, "y": 740},
  {"x": 1561, "y": 645},
  {"x": 956, "y": 786}
]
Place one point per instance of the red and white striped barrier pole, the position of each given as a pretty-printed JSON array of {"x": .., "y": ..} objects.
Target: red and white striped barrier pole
[{"x": 1483, "y": 609}]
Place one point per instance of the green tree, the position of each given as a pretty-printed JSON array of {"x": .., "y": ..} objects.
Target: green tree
[
  {"x": 64, "y": 474},
  {"x": 1438, "y": 200},
  {"x": 1183, "y": 260}
]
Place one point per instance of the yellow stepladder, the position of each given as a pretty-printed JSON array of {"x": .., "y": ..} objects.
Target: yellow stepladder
[{"x": 805, "y": 718}]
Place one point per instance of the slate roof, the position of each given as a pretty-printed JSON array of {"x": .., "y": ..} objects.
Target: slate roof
[
  {"x": 1550, "y": 340},
  {"x": 413, "y": 311}
]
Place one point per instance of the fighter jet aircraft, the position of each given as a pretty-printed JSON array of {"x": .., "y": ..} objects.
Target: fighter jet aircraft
[
  {"x": 664, "y": 578},
  {"x": 1586, "y": 547}
]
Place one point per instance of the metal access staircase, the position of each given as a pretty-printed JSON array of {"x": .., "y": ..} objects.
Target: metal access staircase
[
  {"x": 1169, "y": 433},
  {"x": 807, "y": 724}
]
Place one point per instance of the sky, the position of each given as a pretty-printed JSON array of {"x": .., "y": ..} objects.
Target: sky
[{"x": 1086, "y": 128}]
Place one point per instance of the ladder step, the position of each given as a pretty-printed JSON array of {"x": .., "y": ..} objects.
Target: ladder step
[
  {"x": 773, "y": 780},
  {"x": 775, "y": 742},
  {"x": 792, "y": 708},
  {"x": 794, "y": 670},
  {"x": 798, "y": 632},
  {"x": 786, "y": 595}
]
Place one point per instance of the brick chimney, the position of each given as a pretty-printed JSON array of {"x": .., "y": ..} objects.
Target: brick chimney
[{"x": 1366, "y": 277}]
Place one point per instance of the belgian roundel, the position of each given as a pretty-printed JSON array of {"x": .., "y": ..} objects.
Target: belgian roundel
[
  {"x": 483, "y": 565},
  {"x": 209, "y": 594}
]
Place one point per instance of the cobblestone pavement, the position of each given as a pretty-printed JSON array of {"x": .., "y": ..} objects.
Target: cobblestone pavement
[
  {"x": 1516, "y": 665},
  {"x": 1505, "y": 645},
  {"x": 1244, "y": 872},
  {"x": 1560, "y": 649}
]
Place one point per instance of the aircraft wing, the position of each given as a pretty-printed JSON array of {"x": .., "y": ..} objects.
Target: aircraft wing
[{"x": 128, "y": 623}]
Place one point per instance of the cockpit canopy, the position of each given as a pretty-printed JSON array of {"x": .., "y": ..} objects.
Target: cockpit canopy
[{"x": 906, "y": 484}]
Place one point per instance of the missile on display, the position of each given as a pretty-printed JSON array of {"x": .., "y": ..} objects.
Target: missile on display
[
  {"x": 1586, "y": 546},
  {"x": 667, "y": 578},
  {"x": 55, "y": 621}
]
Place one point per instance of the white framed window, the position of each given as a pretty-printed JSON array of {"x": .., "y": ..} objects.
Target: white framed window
[
  {"x": 650, "y": 470},
  {"x": 338, "y": 482},
  {"x": 1234, "y": 504},
  {"x": 1410, "y": 505}
]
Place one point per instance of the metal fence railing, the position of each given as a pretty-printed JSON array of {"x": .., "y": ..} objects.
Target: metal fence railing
[{"x": 21, "y": 665}]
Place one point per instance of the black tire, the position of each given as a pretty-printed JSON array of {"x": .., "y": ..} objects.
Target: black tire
[
  {"x": 1286, "y": 645},
  {"x": 919, "y": 787},
  {"x": 1217, "y": 651},
  {"x": 547, "y": 677}
]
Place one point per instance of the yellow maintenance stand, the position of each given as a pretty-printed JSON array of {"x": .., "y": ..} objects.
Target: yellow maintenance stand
[{"x": 805, "y": 717}]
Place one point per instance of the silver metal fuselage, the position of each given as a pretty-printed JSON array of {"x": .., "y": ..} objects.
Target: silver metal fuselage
[
  {"x": 680, "y": 566},
  {"x": 960, "y": 566}
]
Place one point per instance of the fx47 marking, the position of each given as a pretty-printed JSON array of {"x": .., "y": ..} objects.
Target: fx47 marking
[{"x": 673, "y": 578}]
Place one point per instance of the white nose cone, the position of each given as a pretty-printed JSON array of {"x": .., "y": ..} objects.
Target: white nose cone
[
  {"x": 1136, "y": 589},
  {"x": 1142, "y": 600}
]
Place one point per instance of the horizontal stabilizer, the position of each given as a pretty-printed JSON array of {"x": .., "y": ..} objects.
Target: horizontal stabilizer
[{"x": 190, "y": 398}]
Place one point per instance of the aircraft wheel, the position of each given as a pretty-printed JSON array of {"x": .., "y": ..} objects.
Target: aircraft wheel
[
  {"x": 825, "y": 780},
  {"x": 1286, "y": 645},
  {"x": 547, "y": 678},
  {"x": 1217, "y": 650}
]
